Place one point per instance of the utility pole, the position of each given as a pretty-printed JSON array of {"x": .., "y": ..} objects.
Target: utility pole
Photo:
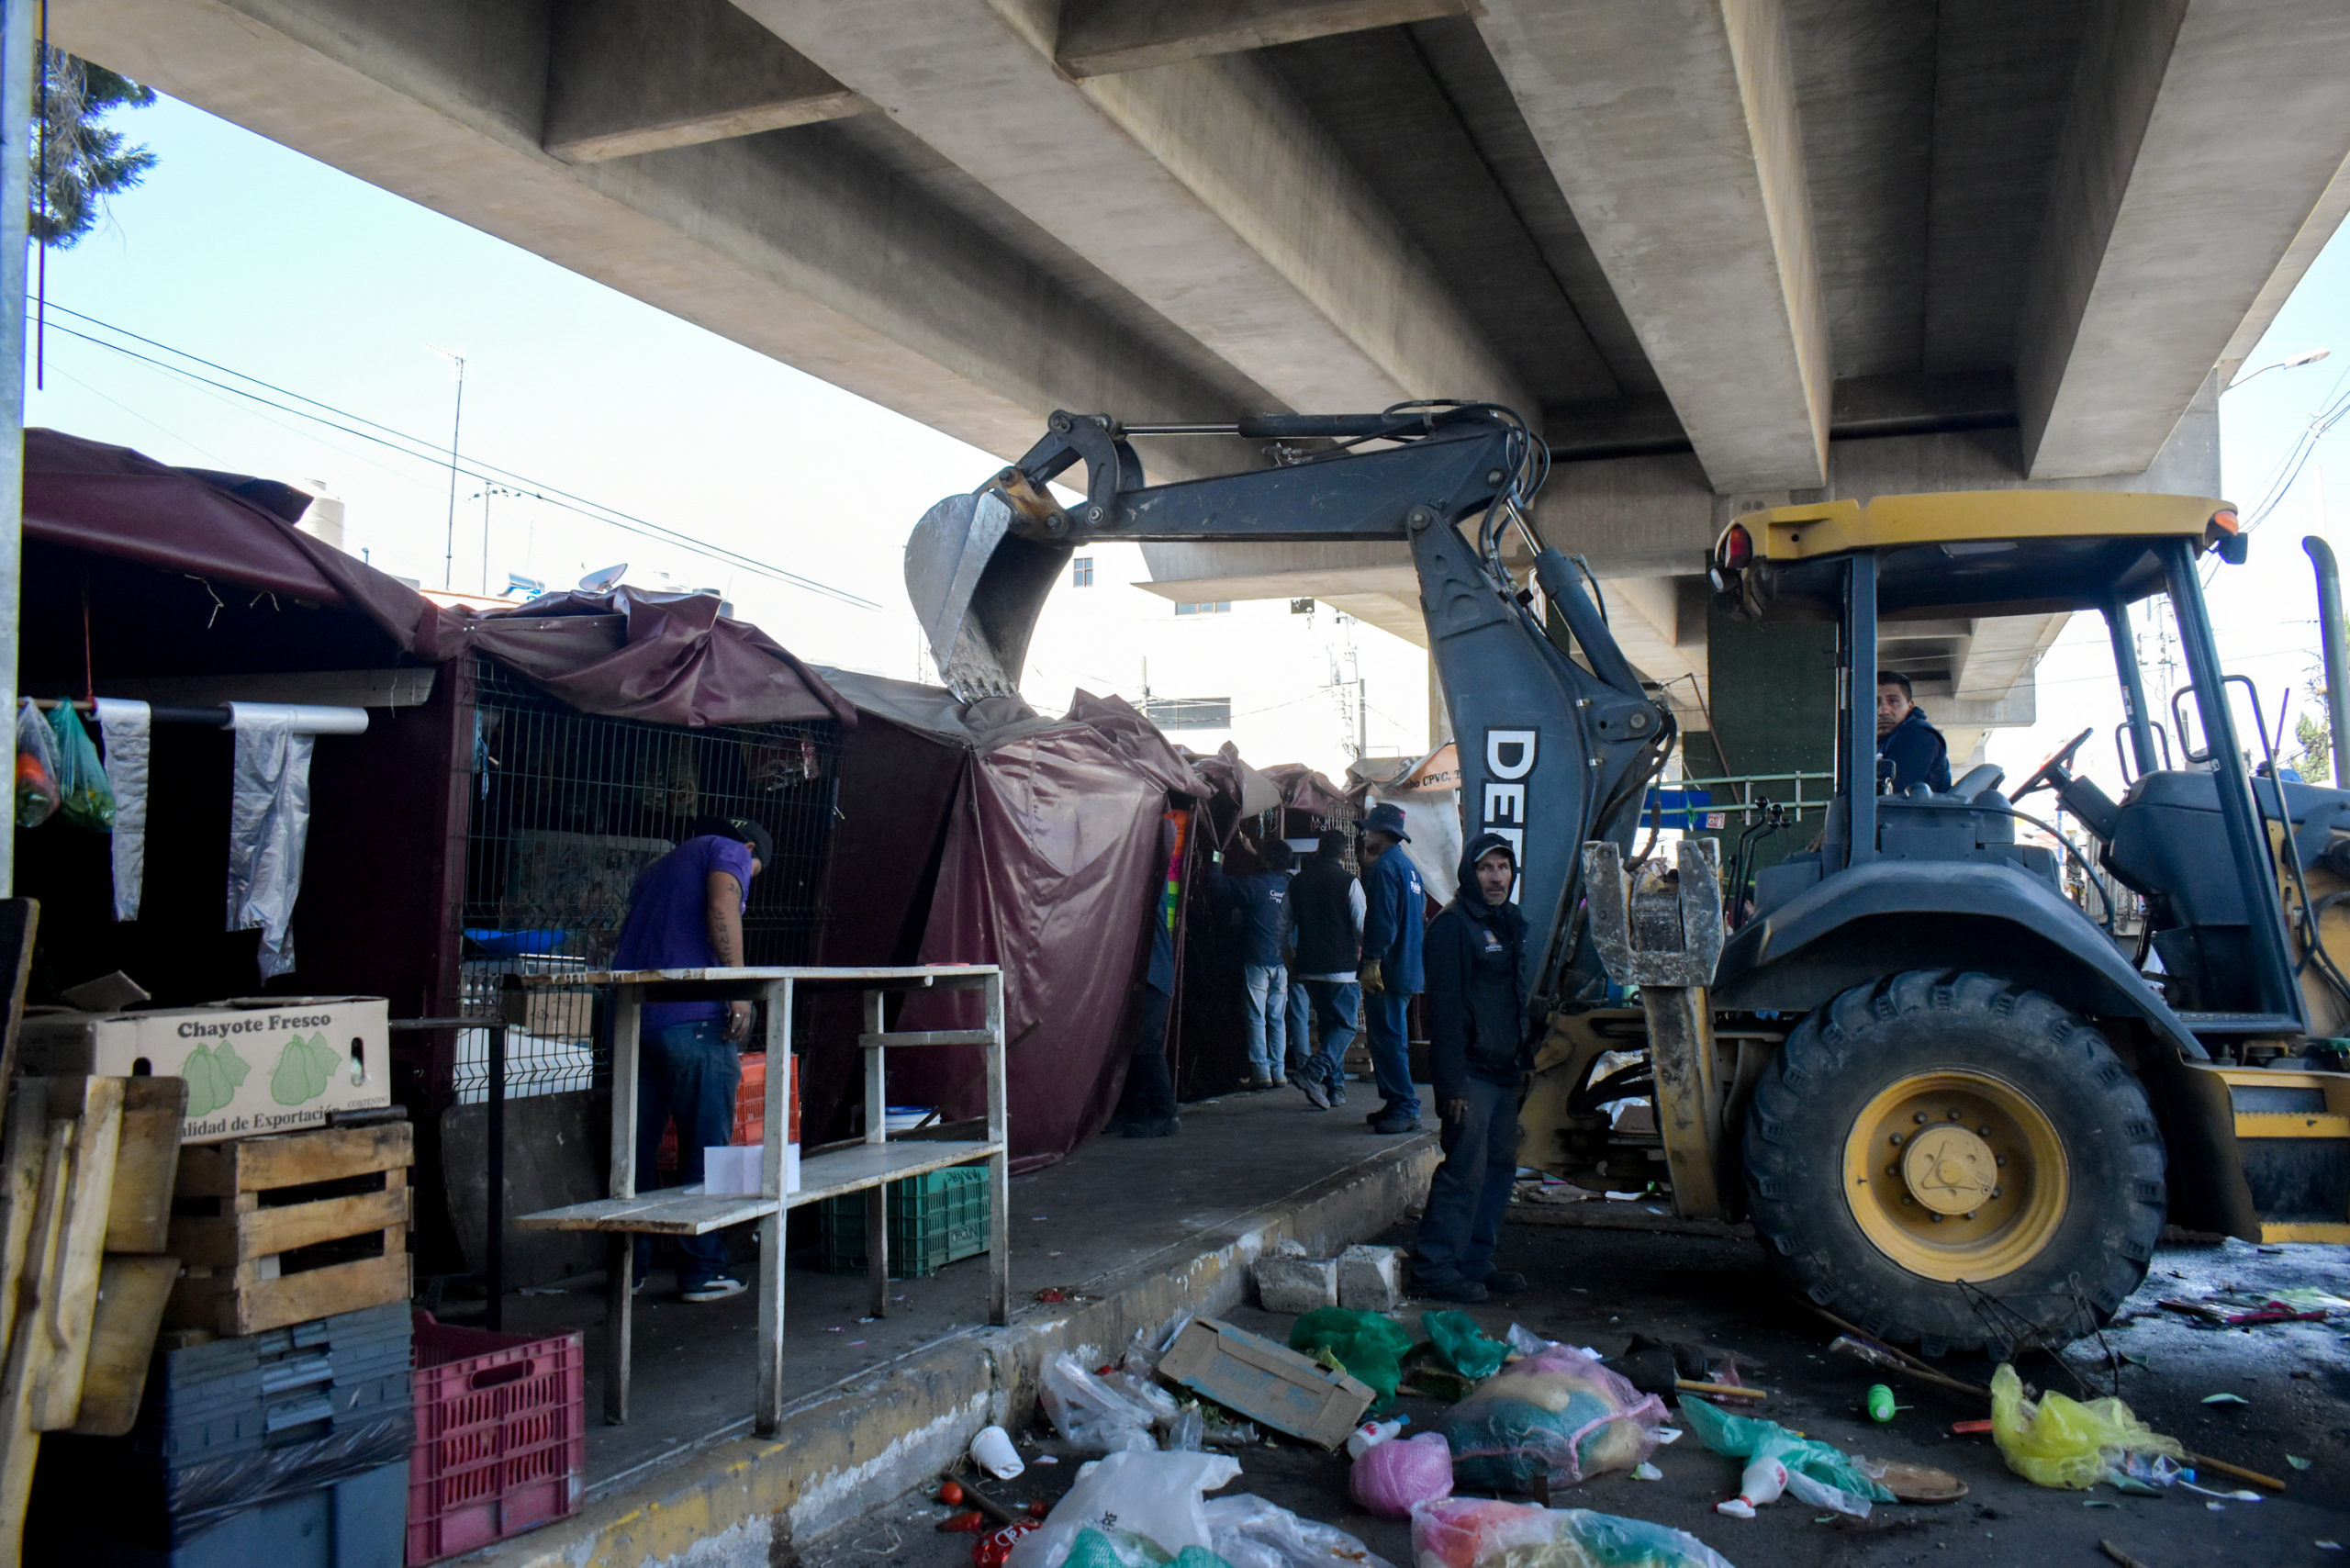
[
  {"x": 456, "y": 423},
  {"x": 1362, "y": 721}
]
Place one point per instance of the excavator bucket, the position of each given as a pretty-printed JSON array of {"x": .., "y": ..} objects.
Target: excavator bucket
[{"x": 978, "y": 587}]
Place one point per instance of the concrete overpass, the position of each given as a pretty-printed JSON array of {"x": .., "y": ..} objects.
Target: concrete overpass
[{"x": 1733, "y": 251}]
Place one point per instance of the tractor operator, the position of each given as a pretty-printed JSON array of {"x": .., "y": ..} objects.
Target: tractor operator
[{"x": 1905, "y": 739}]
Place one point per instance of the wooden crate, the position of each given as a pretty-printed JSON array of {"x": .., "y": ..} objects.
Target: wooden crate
[{"x": 282, "y": 1229}]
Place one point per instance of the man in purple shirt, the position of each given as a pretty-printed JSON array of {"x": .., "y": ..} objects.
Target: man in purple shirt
[{"x": 686, "y": 912}]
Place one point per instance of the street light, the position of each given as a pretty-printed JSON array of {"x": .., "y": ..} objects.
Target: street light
[{"x": 2291, "y": 362}]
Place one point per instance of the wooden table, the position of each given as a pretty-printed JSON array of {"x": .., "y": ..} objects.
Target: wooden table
[{"x": 867, "y": 1167}]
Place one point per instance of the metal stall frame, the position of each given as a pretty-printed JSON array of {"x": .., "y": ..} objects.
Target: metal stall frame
[{"x": 867, "y": 1166}]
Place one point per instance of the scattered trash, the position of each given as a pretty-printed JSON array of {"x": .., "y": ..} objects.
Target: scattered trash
[
  {"x": 1880, "y": 1404},
  {"x": 994, "y": 1549},
  {"x": 1971, "y": 1428},
  {"x": 2121, "y": 1558},
  {"x": 1819, "y": 1473},
  {"x": 1765, "y": 1480},
  {"x": 1366, "y": 1346},
  {"x": 1251, "y": 1375},
  {"x": 1132, "y": 1494},
  {"x": 1465, "y": 1532},
  {"x": 971, "y": 1521},
  {"x": 1047, "y": 1459},
  {"x": 1553, "y": 1418},
  {"x": 1644, "y": 1471},
  {"x": 2062, "y": 1443},
  {"x": 2237, "y": 1496},
  {"x": 2296, "y": 1462},
  {"x": 1249, "y": 1532},
  {"x": 992, "y": 1451},
  {"x": 2327, "y": 1545},
  {"x": 1371, "y": 1433},
  {"x": 950, "y": 1491},
  {"x": 1465, "y": 1347},
  {"x": 1188, "y": 1433},
  {"x": 1913, "y": 1483},
  {"x": 2225, "y": 1399},
  {"x": 868, "y": 1320},
  {"x": 1101, "y": 1413},
  {"x": 1392, "y": 1478}
]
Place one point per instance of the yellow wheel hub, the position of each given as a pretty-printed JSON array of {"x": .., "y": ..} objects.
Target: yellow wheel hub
[{"x": 1956, "y": 1175}]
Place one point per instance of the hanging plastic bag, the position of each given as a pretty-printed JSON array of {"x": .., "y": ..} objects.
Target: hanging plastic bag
[
  {"x": 1819, "y": 1473},
  {"x": 36, "y": 766},
  {"x": 1469, "y": 1532},
  {"x": 1097, "y": 1417},
  {"x": 2062, "y": 1442},
  {"x": 1559, "y": 1417},
  {"x": 1248, "y": 1532},
  {"x": 1392, "y": 1478},
  {"x": 83, "y": 793},
  {"x": 1463, "y": 1345},
  {"x": 1369, "y": 1347},
  {"x": 1145, "y": 1505}
]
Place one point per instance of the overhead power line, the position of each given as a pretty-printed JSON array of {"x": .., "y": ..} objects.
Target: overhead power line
[{"x": 346, "y": 422}]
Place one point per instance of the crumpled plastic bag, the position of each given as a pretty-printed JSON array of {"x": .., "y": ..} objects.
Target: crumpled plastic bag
[
  {"x": 1103, "y": 1415},
  {"x": 2062, "y": 1443},
  {"x": 1470, "y": 1532},
  {"x": 1392, "y": 1478},
  {"x": 1464, "y": 1346},
  {"x": 1819, "y": 1473},
  {"x": 83, "y": 793},
  {"x": 1369, "y": 1347},
  {"x": 1247, "y": 1532},
  {"x": 1154, "y": 1498},
  {"x": 1557, "y": 1415},
  {"x": 36, "y": 766}
]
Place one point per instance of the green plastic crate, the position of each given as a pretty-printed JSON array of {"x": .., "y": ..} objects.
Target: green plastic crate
[{"x": 937, "y": 1218}]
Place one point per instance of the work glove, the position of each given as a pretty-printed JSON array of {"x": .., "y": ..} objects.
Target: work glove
[{"x": 1369, "y": 977}]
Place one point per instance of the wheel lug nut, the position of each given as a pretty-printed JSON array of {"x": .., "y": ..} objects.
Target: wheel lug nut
[
  {"x": 1982, "y": 1132},
  {"x": 1907, "y": 1202},
  {"x": 1995, "y": 1192},
  {"x": 1919, "y": 1119},
  {"x": 1937, "y": 1219},
  {"x": 1971, "y": 1216},
  {"x": 1892, "y": 1171},
  {"x": 1953, "y": 1115},
  {"x": 1894, "y": 1140},
  {"x": 2000, "y": 1160}
]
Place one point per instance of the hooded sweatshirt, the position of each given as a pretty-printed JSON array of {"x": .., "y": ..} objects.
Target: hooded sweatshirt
[{"x": 1476, "y": 985}]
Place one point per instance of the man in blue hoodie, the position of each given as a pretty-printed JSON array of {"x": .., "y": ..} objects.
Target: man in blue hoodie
[
  {"x": 1905, "y": 739},
  {"x": 1481, "y": 1059},
  {"x": 1391, "y": 965},
  {"x": 1262, "y": 899}
]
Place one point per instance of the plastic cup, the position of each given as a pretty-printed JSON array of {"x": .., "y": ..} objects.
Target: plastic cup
[{"x": 992, "y": 1451}]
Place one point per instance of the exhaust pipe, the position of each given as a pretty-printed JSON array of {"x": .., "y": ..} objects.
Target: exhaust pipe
[{"x": 2331, "y": 641}]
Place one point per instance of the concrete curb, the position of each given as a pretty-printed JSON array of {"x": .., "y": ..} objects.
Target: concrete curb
[{"x": 742, "y": 1502}]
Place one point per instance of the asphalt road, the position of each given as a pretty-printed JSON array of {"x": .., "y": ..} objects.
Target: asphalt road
[{"x": 1595, "y": 1288}]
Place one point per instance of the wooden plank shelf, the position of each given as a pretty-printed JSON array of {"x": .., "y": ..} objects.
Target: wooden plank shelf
[{"x": 673, "y": 1210}]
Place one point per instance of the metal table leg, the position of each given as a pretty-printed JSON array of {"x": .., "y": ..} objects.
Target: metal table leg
[
  {"x": 999, "y": 1166},
  {"x": 767, "y": 1412},
  {"x": 496, "y": 1218},
  {"x": 620, "y": 1272},
  {"x": 876, "y": 1130}
]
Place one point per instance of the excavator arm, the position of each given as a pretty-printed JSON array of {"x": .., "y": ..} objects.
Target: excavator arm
[{"x": 1557, "y": 740}]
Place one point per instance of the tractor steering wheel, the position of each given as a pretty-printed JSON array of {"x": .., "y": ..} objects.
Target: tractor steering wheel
[{"x": 2051, "y": 774}]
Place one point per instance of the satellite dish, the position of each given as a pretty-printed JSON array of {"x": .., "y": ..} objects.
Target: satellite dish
[{"x": 601, "y": 581}]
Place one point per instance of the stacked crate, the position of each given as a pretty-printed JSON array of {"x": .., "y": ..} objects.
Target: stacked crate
[{"x": 934, "y": 1219}]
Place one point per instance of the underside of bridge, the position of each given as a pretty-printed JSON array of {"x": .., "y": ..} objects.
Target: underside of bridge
[{"x": 1725, "y": 251}]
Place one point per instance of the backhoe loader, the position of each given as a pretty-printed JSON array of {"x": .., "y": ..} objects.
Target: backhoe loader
[{"x": 1956, "y": 1110}]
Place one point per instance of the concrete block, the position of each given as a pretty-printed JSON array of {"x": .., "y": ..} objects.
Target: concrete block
[
  {"x": 1371, "y": 1279},
  {"x": 1296, "y": 1285}
]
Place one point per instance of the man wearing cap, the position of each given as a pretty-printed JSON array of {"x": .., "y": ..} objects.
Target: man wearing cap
[
  {"x": 686, "y": 912},
  {"x": 1391, "y": 965}
]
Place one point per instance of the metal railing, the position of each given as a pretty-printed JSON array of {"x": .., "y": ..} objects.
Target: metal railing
[{"x": 1744, "y": 794}]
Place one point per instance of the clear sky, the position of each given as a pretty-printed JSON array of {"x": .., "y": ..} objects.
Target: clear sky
[{"x": 278, "y": 267}]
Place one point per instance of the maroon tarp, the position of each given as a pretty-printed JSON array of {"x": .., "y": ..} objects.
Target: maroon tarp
[
  {"x": 668, "y": 658},
  {"x": 1306, "y": 790}
]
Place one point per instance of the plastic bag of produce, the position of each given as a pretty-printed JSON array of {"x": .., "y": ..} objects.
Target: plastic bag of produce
[
  {"x": 1469, "y": 1532},
  {"x": 1463, "y": 1345},
  {"x": 1144, "y": 1507},
  {"x": 1369, "y": 1347},
  {"x": 1248, "y": 1532},
  {"x": 1558, "y": 1416},
  {"x": 83, "y": 793},
  {"x": 1097, "y": 1416},
  {"x": 2059, "y": 1441},
  {"x": 1392, "y": 1478},
  {"x": 36, "y": 766}
]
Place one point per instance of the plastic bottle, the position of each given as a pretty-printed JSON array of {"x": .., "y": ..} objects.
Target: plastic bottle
[
  {"x": 1764, "y": 1479},
  {"x": 1371, "y": 1433},
  {"x": 1881, "y": 1405}
]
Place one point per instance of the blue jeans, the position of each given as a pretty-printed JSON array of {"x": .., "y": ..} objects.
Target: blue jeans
[
  {"x": 1300, "y": 1038},
  {"x": 1471, "y": 1189},
  {"x": 1386, "y": 1018},
  {"x": 688, "y": 1072},
  {"x": 1337, "y": 1006},
  {"x": 1268, "y": 1006}
]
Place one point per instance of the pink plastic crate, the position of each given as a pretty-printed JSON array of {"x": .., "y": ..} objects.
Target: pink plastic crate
[{"x": 502, "y": 1440}]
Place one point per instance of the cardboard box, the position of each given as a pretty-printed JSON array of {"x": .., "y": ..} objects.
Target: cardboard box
[
  {"x": 253, "y": 1064},
  {"x": 1266, "y": 1381}
]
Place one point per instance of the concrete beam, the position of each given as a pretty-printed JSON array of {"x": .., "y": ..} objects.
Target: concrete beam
[
  {"x": 1104, "y": 37},
  {"x": 631, "y": 76},
  {"x": 769, "y": 240},
  {"x": 2174, "y": 210},
  {"x": 1201, "y": 188},
  {"x": 1671, "y": 127}
]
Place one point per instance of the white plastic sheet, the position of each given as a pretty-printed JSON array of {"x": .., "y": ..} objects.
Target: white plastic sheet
[
  {"x": 125, "y": 728},
  {"x": 269, "y": 823}
]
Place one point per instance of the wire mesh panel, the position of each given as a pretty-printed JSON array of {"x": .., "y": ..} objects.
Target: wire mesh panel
[{"x": 568, "y": 808}]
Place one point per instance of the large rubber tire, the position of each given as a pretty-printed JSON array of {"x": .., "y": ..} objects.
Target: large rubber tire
[{"x": 2059, "y": 1270}]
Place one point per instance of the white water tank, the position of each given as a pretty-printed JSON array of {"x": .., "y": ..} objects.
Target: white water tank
[{"x": 323, "y": 522}]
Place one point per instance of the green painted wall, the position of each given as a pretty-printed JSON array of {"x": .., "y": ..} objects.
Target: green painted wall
[{"x": 1772, "y": 692}]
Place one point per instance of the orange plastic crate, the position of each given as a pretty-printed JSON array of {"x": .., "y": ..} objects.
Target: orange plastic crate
[{"x": 750, "y": 1112}]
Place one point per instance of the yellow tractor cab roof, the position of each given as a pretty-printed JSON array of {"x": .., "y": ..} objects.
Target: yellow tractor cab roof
[{"x": 1965, "y": 552}]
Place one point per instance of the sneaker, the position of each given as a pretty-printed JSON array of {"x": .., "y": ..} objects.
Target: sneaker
[
  {"x": 716, "y": 1289},
  {"x": 1505, "y": 1282},
  {"x": 1465, "y": 1291},
  {"x": 1390, "y": 1125},
  {"x": 1336, "y": 1091},
  {"x": 1314, "y": 1094}
]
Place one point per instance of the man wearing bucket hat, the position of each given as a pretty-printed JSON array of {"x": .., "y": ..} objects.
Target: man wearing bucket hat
[{"x": 1392, "y": 906}]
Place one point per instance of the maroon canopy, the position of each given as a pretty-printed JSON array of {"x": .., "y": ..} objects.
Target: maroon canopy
[{"x": 668, "y": 658}]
